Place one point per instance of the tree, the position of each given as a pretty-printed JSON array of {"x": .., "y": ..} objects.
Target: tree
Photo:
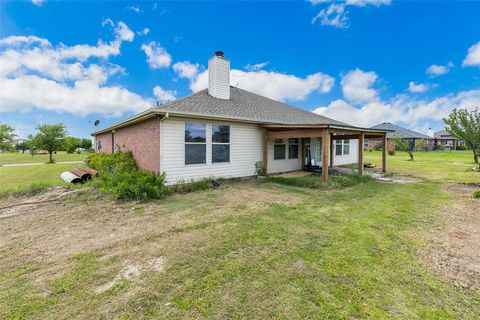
[
  {"x": 70, "y": 144},
  {"x": 465, "y": 125},
  {"x": 7, "y": 136},
  {"x": 22, "y": 146},
  {"x": 31, "y": 144},
  {"x": 404, "y": 146},
  {"x": 50, "y": 138},
  {"x": 86, "y": 144}
]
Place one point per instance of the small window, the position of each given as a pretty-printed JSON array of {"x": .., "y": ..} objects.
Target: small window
[
  {"x": 279, "y": 149},
  {"x": 365, "y": 144},
  {"x": 195, "y": 143},
  {"x": 293, "y": 148},
  {"x": 346, "y": 147},
  {"x": 220, "y": 143},
  {"x": 338, "y": 147}
]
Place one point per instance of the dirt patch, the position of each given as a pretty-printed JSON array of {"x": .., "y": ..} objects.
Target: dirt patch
[{"x": 454, "y": 246}]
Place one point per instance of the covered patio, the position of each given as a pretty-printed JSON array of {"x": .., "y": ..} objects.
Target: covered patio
[{"x": 328, "y": 135}]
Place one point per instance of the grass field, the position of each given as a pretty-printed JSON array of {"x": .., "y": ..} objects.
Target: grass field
[
  {"x": 19, "y": 178},
  {"x": 264, "y": 250},
  {"x": 17, "y": 157},
  {"x": 440, "y": 166}
]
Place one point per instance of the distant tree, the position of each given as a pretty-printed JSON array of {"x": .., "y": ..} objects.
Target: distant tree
[
  {"x": 7, "y": 136},
  {"x": 50, "y": 138},
  {"x": 70, "y": 144},
  {"x": 86, "y": 144},
  {"x": 465, "y": 125},
  {"x": 22, "y": 146},
  {"x": 404, "y": 146},
  {"x": 31, "y": 145}
]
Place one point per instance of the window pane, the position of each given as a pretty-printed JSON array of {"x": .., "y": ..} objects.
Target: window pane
[
  {"x": 293, "y": 140},
  {"x": 279, "y": 152},
  {"x": 195, "y": 132},
  {"x": 279, "y": 141},
  {"x": 221, "y": 133},
  {"x": 195, "y": 153},
  {"x": 293, "y": 151},
  {"x": 346, "y": 149},
  {"x": 220, "y": 152},
  {"x": 338, "y": 149},
  {"x": 346, "y": 141}
]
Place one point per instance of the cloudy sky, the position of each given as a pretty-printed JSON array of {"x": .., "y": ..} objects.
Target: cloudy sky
[{"x": 360, "y": 61}]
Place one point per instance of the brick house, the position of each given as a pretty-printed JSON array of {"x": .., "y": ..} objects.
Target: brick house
[
  {"x": 224, "y": 131},
  {"x": 411, "y": 137}
]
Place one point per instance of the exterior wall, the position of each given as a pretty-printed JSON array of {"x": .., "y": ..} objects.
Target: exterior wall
[
  {"x": 350, "y": 158},
  {"x": 246, "y": 149},
  {"x": 377, "y": 143},
  {"x": 277, "y": 166},
  {"x": 142, "y": 138},
  {"x": 103, "y": 142}
]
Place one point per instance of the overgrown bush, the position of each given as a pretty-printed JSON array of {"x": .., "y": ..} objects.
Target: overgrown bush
[
  {"x": 476, "y": 194},
  {"x": 439, "y": 147},
  {"x": 461, "y": 147},
  {"x": 120, "y": 177},
  {"x": 314, "y": 181},
  {"x": 391, "y": 152}
]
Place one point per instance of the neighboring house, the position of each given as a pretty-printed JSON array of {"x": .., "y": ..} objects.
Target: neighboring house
[
  {"x": 223, "y": 131},
  {"x": 445, "y": 139},
  {"x": 409, "y": 136}
]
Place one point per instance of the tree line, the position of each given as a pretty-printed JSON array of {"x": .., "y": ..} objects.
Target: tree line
[{"x": 49, "y": 137}]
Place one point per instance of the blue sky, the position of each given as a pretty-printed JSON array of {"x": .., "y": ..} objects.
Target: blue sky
[{"x": 360, "y": 61}]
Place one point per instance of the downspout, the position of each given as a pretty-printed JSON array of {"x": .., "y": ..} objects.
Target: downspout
[{"x": 165, "y": 117}]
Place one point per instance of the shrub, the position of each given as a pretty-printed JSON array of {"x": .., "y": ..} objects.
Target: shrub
[
  {"x": 391, "y": 152},
  {"x": 119, "y": 176},
  {"x": 476, "y": 194},
  {"x": 314, "y": 181},
  {"x": 439, "y": 147},
  {"x": 461, "y": 147}
]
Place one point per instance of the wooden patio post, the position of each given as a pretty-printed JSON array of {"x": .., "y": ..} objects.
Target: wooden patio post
[
  {"x": 325, "y": 152},
  {"x": 332, "y": 151},
  {"x": 361, "y": 140},
  {"x": 265, "y": 151},
  {"x": 384, "y": 153}
]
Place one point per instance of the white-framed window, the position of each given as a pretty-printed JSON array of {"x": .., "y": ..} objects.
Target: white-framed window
[
  {"x": 365, "y": 144},
  {"x": 220, "y": 143},
  {"x": 279, "y": 149},
  {"x": 195, "y": 143},
  {"x": 342, "y": 147},
  {"x": 293, "y": 148}
]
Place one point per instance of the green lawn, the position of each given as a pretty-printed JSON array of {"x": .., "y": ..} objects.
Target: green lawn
[
  {"x": 19, "y": 178},
  {"x": 272, "y": 249},
  {"x": 440, "y": 166},
  {"x": 18, "y": 157}
]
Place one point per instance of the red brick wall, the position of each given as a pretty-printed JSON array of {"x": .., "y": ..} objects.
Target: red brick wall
[
  {"x": 377, "y": 143},
  {"x": 142, "y": 138}
]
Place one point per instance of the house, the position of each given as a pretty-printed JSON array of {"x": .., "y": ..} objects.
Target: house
[
  {"x": 411, "y": 137},
  {"x": 446, "y": 140},
  {"x": 224, "y": 131}
]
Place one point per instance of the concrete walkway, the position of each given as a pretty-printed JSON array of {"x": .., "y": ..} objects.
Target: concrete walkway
[{"x": 37, "y": 163}]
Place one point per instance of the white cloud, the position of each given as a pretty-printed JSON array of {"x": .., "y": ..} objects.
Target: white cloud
[
  {"x": 134, "y": 8},
  {"x": 186, "y": 69},
  {"x": 36, "y": 74},
  {"x": 163, "y": 95},
  {"x": 363, "y": 3},
  {"x": 334, "y": 15},
  {"x": 473, "y": 56},
  {"x": 401, "y": 109},
  {"x": 417, "y": 88},
  {"x": 157, "y": 56},
  {"x": 357, "y": 86},
  {"x": 437, "y": 70},
  {"x": 257, "y": 66},
  {"x": 143, "y": 32},
  {"x": 274, "y": 85},
  {"x": 38, "y": 2}
]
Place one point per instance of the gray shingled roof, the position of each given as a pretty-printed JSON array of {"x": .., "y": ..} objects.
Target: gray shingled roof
[
  {"x": 444, "y": 134},
  {"x": 399, "y": 131},
  {"x": 245, "y": 105}
]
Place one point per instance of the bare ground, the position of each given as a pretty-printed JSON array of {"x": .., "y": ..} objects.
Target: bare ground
[{"x": 453, "y": 250}]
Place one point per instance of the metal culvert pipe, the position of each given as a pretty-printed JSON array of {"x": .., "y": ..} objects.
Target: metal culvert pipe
[
  {"x": 81, "y": 173},
  {"x": 69, "y": 177}
]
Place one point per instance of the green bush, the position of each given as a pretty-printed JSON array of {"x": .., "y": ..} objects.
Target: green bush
[
  {"x": 391, "y": 152},
  {"x": 120, "y": 177},
  {"x": 476, "y": 194},
  {"x": 439, "y": 147},
  {"x": 461, "y": 147},
  {"x": 314, "y": 181},
  {"x": 106, "y": 163}
]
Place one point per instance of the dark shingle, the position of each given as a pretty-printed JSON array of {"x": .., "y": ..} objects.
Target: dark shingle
[
  {"x": 400, "y": 132},
  {"x": 247, "y": 106}
]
